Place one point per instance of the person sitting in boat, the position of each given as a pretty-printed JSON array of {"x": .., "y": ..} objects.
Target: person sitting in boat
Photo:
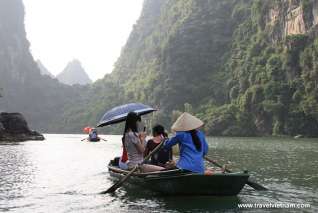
[
  {"x": 192, "y": 143},
  {"x": 134, "y": 144},
  {"x": 163, "y": 155},
  {"x": 93, "y": 136}
]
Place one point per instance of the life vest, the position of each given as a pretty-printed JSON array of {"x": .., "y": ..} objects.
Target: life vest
[{"x": 124, "y": 156}]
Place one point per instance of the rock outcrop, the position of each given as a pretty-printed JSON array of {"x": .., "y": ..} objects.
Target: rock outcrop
[
  {"x": 291, "y": 17},
  {"x": 13, "y": 127}
]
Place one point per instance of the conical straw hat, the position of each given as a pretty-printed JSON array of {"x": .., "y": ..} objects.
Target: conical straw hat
[{"x": 186, "y": 122}]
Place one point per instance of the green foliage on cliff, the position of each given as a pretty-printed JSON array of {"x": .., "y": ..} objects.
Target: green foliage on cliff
[
  {"x": 223, "y": 60},
  {"x": 232, "y": 63},
  {"x": 172, "y": 57},
  {"x": 273, "y": 77}
]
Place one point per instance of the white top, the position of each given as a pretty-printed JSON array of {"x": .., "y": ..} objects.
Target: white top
[{"x": 134, "y": 157}]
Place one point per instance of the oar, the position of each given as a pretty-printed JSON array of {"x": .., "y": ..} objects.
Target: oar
[
  {"x": 84, "y": 139},
  {"x": 102, "y": 139},
  {"x": 252, "y": 184},
  {"x": 121, "y": 181}
]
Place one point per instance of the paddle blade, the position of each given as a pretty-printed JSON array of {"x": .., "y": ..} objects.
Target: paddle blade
[
  {"x": 255, "y": 185},
  {"x": 251, "y": 183},
  {"x": 114, "y": 187}
]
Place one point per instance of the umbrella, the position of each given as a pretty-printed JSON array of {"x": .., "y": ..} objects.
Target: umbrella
[
  {"x": 119, "y": 113},
  {"x": 87, "y": 129}
]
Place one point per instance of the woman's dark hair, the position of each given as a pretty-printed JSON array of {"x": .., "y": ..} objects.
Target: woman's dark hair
[
  {"x": 195, "y": 139},
  {"x": 159, "y": 130},
  {"x": 131, "y": 123}
]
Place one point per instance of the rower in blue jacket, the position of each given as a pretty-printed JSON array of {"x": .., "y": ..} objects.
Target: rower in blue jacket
[{"x": 192, "y": 143}]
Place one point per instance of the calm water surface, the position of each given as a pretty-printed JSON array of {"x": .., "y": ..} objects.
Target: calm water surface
[{"x": 63, "y": 174}]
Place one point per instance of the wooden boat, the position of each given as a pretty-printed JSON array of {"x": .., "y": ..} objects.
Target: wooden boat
[
  {"x": 93, "y": 139},
  {"x": 178, "y": 182}
]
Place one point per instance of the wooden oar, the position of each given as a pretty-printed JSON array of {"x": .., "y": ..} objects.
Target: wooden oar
[
  {"x": 121, "y": 181},
  {"x": 99, "y": 138},
  {"x": 252, "y": 184},
  {"x": 102, "y": 139}
]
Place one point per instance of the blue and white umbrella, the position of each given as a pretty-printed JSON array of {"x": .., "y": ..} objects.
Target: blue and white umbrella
[{"x": 119, "y": 113}]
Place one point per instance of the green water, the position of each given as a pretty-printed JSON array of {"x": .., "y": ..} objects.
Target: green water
[{"x": 63, "y": 174}]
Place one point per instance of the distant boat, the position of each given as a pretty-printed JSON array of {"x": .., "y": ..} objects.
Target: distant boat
[
  {"x": 176, "y": 182},
  {"x": 93, "y": 136},
  {"x": 93, "y": 139}
]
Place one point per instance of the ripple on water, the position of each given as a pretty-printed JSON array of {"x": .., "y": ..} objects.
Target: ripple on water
[{"x": 64, "y": 174}]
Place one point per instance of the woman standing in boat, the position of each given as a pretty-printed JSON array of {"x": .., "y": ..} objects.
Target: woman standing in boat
[
  {"x": 134, "y": 144},
  {"x": 192, "y": 144}
]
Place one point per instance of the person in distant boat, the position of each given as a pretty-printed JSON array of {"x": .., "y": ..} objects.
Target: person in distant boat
[
  {"x": 192, "y": 143},
  {"x": 93, "y": 136},
  {"x": 163, "y": 155},
  {"x": 134, "y": 145}
]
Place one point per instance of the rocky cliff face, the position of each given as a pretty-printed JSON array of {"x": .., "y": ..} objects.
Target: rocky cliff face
[
  {"x": 16, "y": 61},
  {"x": 41, "y": 99},
  {"x": 291, "y": 17},
  {"x": 43, "y": 69}
]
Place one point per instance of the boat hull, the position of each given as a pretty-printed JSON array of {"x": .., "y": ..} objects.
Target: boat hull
[
  {"x": 176, "y": 182},
  {"x": 94, "y": 140}
]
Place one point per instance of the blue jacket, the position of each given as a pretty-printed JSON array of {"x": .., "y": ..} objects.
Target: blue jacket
[
  {"x": 190, "y": 159},
  {"x": 93, "y": 135}
]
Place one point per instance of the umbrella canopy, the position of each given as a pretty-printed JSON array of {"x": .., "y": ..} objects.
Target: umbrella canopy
[
  {"x": 119, "y": 113},
  {"x": 87, "y": 129}
]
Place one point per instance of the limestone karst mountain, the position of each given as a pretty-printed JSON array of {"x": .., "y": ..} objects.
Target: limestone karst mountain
[
  {"x": 74, "y": 73},
  {"x": 39, "y": 98},
  {"x": 43, "y": 69},
  {"x": 245, "y": 67}
]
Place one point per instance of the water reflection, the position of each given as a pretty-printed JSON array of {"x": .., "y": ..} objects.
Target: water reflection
[
  {"x": 64, "y": 174},
  {"x": 16, "y": 172}
]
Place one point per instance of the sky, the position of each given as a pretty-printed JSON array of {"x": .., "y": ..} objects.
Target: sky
[{"x": 92, "y": 31}]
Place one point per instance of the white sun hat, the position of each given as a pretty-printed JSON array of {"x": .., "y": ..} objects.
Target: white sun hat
[{"x": 186, "y": 122}]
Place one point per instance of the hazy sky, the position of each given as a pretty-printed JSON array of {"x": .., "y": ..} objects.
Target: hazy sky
[{"x": 93, "y": 31}]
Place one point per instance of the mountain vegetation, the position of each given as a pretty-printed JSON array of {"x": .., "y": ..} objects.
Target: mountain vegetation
[{"x": 246, "y": 67}]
